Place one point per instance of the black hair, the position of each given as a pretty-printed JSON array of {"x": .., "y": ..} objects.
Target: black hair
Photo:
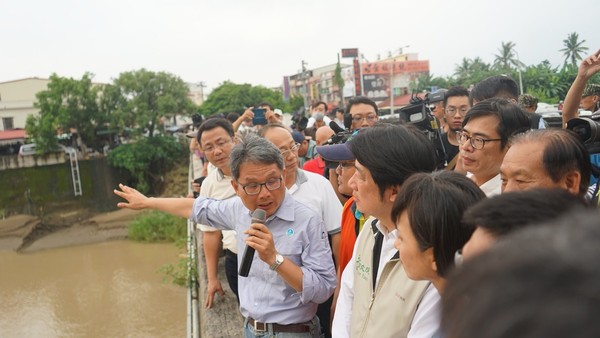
[
  {"x": 495, "y": 86},
  {"x": 265, "y": 104},
  {"x": 455, "y": 91},
  {"x": 233, "y": 116},
  {"x": 318, "y": 103},
  {"x": 435, "y": 203},
  {"x": 503, "y": 214},
  {"x": 391, "y": 153},
  {"x": 361, "y": 99},
  {"x": 563, "y": 153},
  {"x": 213, "y": 123},
  {"x": 541, "y": 282},
  {"x": 511, "y": 118}
]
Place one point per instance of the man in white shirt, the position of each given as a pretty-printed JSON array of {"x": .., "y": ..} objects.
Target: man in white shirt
[
  {"x": 376, "y": 297},
  {"x": 484, "y": 138}
]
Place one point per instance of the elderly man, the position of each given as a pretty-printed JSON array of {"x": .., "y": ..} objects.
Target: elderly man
[
  {"x": 292, "y": 270},
  {"x": 546, "y": 158},
  {"x": 484, "y": 140}
]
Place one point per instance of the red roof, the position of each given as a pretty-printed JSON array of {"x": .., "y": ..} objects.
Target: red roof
[
  {"x": 399, "y": 101},
  {"x": 13, "y": 134}
]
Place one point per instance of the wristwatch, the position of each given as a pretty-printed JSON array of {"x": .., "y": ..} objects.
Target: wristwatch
[{"x": 278, "y": 261}]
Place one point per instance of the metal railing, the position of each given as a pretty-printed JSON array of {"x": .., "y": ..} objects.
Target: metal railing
[{"x": 193, "y": 315}]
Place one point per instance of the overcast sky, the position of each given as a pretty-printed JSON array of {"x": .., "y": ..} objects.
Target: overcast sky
[{"x": 258, "y": 42}]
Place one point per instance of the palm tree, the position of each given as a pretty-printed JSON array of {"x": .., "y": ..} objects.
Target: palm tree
[
  {"x": 573, "y": 48},
  {"x": 507, "y": 57}
]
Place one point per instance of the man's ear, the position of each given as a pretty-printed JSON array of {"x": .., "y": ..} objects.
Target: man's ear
[
  {"x": 393, "y": 192},
  {"x": 235, "y": 186},
  {"x": 571, "y": 182}
]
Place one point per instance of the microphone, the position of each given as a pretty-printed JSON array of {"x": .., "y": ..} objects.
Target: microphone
[
  {"x": 258, "y": 216},
  {"x": 335, "y": 127}
]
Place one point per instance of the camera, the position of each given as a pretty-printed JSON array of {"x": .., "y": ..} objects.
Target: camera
[
  {"x": 419, "y": 114},
  {"x": 588, "y": 130}
]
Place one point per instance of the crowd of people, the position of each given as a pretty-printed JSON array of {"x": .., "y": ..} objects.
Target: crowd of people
[{"x": 365, "y": 236}]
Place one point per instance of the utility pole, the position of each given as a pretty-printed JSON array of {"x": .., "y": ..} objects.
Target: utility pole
[{"x": 304, "y": 78}]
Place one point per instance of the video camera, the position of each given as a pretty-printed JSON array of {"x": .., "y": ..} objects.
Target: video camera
[
  {"x": 419, "y": 114},
  {"x": 588, "y": 130}
]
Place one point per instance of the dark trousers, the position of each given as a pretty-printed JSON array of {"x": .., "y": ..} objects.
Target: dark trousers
[
  {"x": 231, "y": 266},
  {"x": 324, "y": 314}
]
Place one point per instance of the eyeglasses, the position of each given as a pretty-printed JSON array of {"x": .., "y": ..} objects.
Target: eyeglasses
[
  {"x": 219, "y": 144},
  {"x": 369, "y": 118},
  {"x": 453, "y": 110},
  {"x": 284, "y": 152},
  {"x": 254, "y": 188},
  {"x": 345, "y": 165},
  {"x": 475, "y": 141}
]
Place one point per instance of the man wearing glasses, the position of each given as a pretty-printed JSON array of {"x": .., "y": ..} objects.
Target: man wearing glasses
[
  {"x": 291, "y": 271},
  {"x": 363, "y": 111},
  {"x": 484, "y": 138},
  {"x": 456, "y": 106},
  {"x": 314, "y": 191}
]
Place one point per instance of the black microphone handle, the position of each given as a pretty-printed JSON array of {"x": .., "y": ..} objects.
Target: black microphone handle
[
  {"x": 258, "y": 216},
  {"x": 335, "y": 127},
  {"x": 246, "y": 261}
]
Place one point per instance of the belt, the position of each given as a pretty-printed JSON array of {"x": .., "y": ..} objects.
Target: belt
[{"x": 291, "y": 328}]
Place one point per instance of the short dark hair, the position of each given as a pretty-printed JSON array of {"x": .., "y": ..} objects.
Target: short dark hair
[
  {"x": 435, "y": 203},
  {"x": 541, "y": 282},
  {"x": 495, "y": 86},
  {"x": 265, "y": 104},
  {"x": 455, "y": 91},
  {"x": 505, "y": 213},
  {"x": 253, "y": 149},
  {"x": 361, "y": 99},
  {"x": 213, "y": 123},
  {"x": 318, "y": 103},
  {"x": 233, "y": 116},
  {"x": 511, "y": 118},
  {"x": 563, "y": 152},
  {"x": 392, "y": 153}
]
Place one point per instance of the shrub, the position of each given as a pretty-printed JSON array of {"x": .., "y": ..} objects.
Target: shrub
[{"x": 156, "y": 226}]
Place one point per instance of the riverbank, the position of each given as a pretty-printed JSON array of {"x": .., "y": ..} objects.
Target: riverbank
[{"x": 24, "y": 233}]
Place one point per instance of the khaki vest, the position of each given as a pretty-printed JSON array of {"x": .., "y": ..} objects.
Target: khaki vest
[{"x": 387, "y": 312}]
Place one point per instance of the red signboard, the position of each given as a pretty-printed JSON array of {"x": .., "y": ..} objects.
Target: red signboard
[
  {"x": 350, "y": 52},
  {"x": 357, "y": 78},
  {"x": 399, "y": 67}
]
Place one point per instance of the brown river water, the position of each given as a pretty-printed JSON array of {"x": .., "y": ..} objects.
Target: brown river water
[{"x": 111, "y": 289}]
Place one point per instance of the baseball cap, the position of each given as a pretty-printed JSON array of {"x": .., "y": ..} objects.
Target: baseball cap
[
  {"x": 340, "y": 151},
  {"x": 278, "y": 112},
  {"x": 298, "y": 136},
  {"x": 591, "y": 89}
]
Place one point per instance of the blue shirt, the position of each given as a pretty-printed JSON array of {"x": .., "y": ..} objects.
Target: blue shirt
[{"x": 300, "y": 236}]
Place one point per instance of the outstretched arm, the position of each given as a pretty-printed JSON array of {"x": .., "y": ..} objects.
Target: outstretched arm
[
  {"x": 587, "y": 68},
  {"x": 138, "y": 201}
]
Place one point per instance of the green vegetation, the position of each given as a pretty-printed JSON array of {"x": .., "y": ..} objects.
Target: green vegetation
[
  {"x": 156, "y": 226},
  {"x": 178, "y": 274},
  {"x": 230, "y": 97},
  {"x": 148, "y": 159}
]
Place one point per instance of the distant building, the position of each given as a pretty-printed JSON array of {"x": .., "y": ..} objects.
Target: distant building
[
  {"x": 17, "y": 101},
  {"x": 196, "y": 93},
  {"x": 318, "y": 83}
]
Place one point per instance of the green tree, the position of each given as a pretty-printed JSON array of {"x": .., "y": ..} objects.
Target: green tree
[
  {"x": 506, "y": 59},
  {"x": 470, "y": 71},
  {"x": 67, "y": 104},
  {"x": 147, "y": 160},
  {"x": 231, "y": 97},
  {"x": 573, "y": 48},
  {"x": 143, "y": 97},
  {"x": 339, "y": 80}
]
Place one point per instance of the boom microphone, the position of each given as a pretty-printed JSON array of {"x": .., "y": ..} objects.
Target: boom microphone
[
  {"x": 258, "y": 216},
  {"x": 335, "y": 127}
]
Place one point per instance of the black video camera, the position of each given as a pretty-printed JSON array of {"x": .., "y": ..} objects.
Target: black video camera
[
  {"x": 588, "y": 130},
  {"x": 419, "y": 114}
]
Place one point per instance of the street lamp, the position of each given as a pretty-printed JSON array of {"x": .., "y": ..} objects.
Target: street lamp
[{"x": 519, "y": 71}]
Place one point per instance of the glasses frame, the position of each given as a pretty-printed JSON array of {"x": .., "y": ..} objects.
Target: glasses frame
[
  {"x": 295, "y": 147},
  {"x": 456, "y": 111},
  {"x": 369, "y": 118},
  {"x": 472, "y": 139},
  {"x": 260, "y": 185}
]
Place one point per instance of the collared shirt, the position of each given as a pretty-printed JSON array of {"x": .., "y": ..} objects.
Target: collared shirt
[
  {"x": 218, "y": 186},
  {"x": 299, "y": 235},
  {"x": 492, "y": 187},
  {"x": 426, "y": 321},
  {"x": 317, "y": 193},
  {"x": 311, "y": 153}
]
